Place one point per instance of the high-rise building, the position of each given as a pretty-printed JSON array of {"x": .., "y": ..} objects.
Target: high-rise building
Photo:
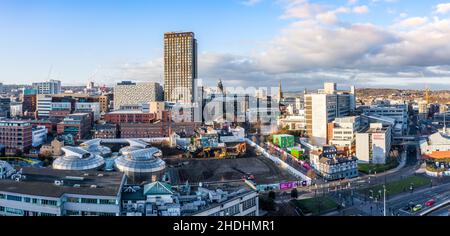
[
  {"x": 48, "y": 87},
  {"x": 180, "y": 67},
  {"x": 131, "y": 94},
  {"x": 44, "y": 106},
  {"x": 322, "y": 108}
]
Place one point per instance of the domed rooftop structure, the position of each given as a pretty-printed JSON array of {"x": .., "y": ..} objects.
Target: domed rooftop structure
[
  {"x": 140, "y": 161},
  {"x": 76, "y": 158},
  {"x": 5, "y": 170},
  {"x": 94, "y": 146}
]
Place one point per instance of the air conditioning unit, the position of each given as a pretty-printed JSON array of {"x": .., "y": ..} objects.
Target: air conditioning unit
[
  {"x": 76, "y": 185},
  {"x": 58, "y": 182},
  {"x": 93, "y": 186}
]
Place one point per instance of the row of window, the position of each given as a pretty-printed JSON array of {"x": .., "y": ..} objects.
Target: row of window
[{"x": 92, "y": 201}]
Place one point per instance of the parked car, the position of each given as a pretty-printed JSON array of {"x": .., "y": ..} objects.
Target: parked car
[
  {"x": 430, "y": 202},
  {"x": 417, "y": 208}
]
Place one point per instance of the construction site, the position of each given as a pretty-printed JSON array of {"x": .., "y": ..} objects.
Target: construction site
[{"x": 207, "y": 170}]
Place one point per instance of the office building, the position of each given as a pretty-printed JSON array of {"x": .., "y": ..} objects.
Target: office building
[
  {"x": 180, "y": 67},
  {"x": 5, "y": 106},
  {"x": 16, "y": 136},
  {"x": 342, "y": 132},
  {"x": 322, "y": 108},
  {"x": 39, "y": 135},
  {"x": 119, "y": 117},
  {"x": 16, "y": 109},
  {"x": 44, "y": 106},
  {"x": 373, "y": 145},
  {"x": 78, "y": 124},
  {"x": 131, "y": 94},
  {"x": 49, "y": 87},
  {"x": 397, "y": 112},
  {"x": 161, "y": 199},
  {"x": 49, "y": 192}
]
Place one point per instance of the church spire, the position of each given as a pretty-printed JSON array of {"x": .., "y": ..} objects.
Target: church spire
[{"x": 280, "y": 92}]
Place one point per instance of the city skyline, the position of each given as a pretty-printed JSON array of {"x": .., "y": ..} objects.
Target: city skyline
[{"x": 303, "y": 43}]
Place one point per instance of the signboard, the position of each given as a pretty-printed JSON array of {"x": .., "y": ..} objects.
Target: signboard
[{"x": 288, "y": 185}]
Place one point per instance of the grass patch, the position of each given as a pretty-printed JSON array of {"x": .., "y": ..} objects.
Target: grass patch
[
  {"x": 378, "y": 168},
  {"x": 315, "y": 206},
  {"x": 396, "y": 187}
]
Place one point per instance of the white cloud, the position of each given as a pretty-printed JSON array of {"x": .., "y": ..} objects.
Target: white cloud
[
  {"x": 361, "y": 9},
  {"x": 442, "y": 8},
  {"x": 412, "y": 22},
  {"x": 318, "y": 47}
]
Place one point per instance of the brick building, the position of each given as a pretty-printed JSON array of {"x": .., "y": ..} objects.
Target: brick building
[{"x": 16, "y": 136}]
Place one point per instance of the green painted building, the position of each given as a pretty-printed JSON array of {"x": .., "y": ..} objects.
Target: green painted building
[{"x": 284, "y": 140}]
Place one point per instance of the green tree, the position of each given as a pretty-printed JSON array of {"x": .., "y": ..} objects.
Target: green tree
[
  {"x": 294, "y": 193},
  {"x": 272, "y": 195}
]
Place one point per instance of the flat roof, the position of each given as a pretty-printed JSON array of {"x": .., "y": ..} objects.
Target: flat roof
[{"x": 41, "y": 182}]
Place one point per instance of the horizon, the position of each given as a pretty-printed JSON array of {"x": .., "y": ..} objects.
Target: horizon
[{"x": 303, "y": 43}]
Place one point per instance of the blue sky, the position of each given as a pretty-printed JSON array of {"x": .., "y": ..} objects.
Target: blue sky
[{"x": 239, "y": 41}]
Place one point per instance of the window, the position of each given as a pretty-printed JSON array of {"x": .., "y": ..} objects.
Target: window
[
  {"x": 14, "y": 198},
  {"x": 73, "y": 200},
  {"x": 231, "y": 211},
  {"x": 89, "y": 201},
  {"x": 49, "y": 202},
  {"x": 107, "y": 201},
  {"x": 249, "y": 203},
  {"x": 27, "y": 199},
  {"x": 47, "y": 214},
  {"x": 2, "y": 196}
]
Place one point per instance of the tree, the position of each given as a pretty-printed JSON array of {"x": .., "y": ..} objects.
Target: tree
[
  {"x": 294, "y": 193},
  {"x": 272, "y": 195}
]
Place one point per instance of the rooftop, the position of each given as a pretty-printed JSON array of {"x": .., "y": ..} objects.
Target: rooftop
[{"x": 41, "y": 182}]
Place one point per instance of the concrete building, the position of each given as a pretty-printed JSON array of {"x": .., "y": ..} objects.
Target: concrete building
[
  {"x": 321, "y": 109},
  {"x": 294, "y": 122},
  {"x": 397, "y": 112},
  {"x": 39, "y": 135},
  {"x": 104, "y": 101},
  {"x": 48, "y": 192},
  {"x": 128, "y": 93},
  {"x": 48, "y": 87},
  {"x": 161, "y": 199},
  {"x": 157, "y": 108},
  {"x": 373, "y": 145},
  {"x": 44, "y": 105},
  {"x": 180, "y": 67},
  {"x": 5, "y": 106},
  {"x": 342, "y": 132},
  {"x": 16, "y": 109}
]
